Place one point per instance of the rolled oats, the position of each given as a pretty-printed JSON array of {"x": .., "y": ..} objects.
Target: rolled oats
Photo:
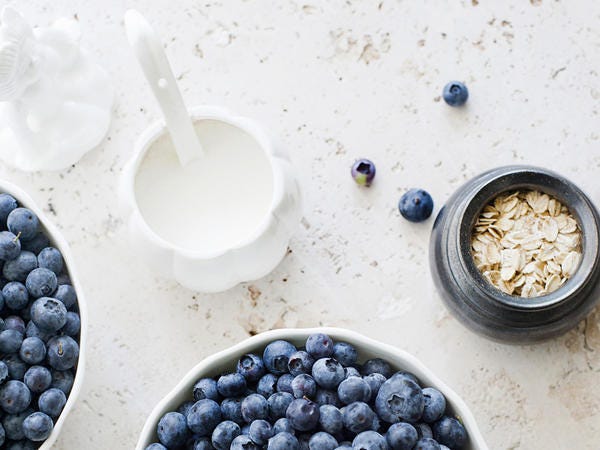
[{"x": 526, "y": 243}]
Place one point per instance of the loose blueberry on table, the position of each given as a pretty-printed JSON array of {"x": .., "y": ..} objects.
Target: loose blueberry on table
[
  {"x": 455, "y": 93},
  {"x": 363, "y": 172},
  {"x": 416, "y": 205},
  {"x": 336, "y": 403},
  {"x": 39, "y": 330}
]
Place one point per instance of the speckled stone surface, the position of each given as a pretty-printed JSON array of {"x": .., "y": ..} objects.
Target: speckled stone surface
[{"x": 334, "y": 81}]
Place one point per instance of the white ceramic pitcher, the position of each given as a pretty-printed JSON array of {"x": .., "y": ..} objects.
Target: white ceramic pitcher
[{"x": 250, "y": 259}]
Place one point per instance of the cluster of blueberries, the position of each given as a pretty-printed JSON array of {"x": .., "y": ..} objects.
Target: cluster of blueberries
[
  {"x": 318, "y": 398},
  {"x": 39, "y": 330}
]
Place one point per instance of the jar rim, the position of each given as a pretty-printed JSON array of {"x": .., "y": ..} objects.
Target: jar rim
[{"x": 532, "y": 178}]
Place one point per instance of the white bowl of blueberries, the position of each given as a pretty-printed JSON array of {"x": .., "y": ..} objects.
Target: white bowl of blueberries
[
  {"x": 316, "y": 389},
  {"x": 42, "y": 326}
]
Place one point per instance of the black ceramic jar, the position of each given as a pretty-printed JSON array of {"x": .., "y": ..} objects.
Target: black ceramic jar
[{"x": 478, "y": 304}]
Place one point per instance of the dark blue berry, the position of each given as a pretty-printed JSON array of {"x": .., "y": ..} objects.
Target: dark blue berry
[
  {"x": 455, "y": 93},
  {"x": 251, "y": 367},
  {"x": 416, "y": 205},
  {"x": 400, "y": 399},
  {"x": 276, "y": 356}
]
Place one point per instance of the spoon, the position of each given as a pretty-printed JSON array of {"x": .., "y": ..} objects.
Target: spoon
[{"x": 153, "y": 60}]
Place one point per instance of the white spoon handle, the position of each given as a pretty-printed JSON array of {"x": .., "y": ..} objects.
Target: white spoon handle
[{"x": 153, "y": 60}]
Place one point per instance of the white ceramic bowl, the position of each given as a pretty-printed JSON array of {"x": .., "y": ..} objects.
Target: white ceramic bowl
[
  {"x": 367, "y": 348},
  {"x": 60, "y": 243}
]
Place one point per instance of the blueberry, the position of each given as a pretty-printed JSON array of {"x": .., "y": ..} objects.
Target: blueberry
[
  {"x": 260, "y": 432},
  {"x": 48, "y": 314},
  {"x": 41, "y": 283},
  {"x": 284, "y": 383},
  {"x": 15, "y": 295},
  {"x": 450, "y": 432},
  {"x": 251, "y": 367},
  {"x": 282, "y": 425},
  {"x": 50, "y": 258},
  {"x": 199, "y": 443},
  {"x": 377, "y": 365},
  {"x": 374, "y": 380},
  {"x": 345, "y": 353},
  {"x": 63, "y": 380},
  {"x": 455, "y": 93},
  {"x": 319, "y": 345},
  {"x": 303, "y": 414},
  {"x": 278, "y": 404},
  {"x": 156, "y": 446},
  {"x": 330, "y": 419},
  {"x": 37, "y": 379},
  {"x": 416, "y": 205},
  {"x": 203, "y": 417},
  {"x": 231, "y": 409},
  {"x": 409, "y": 375},
  {"x": 206, "y": 388},
  {"x": 52, "y": 402},
  {"x": 172, "y": 430},
  {"x": 283, "y": 441},
  {"x": 184, "y": 408},
  {"x": 322, "y": 441},
  {"x": 363, "y": 171},
  {"x": 14, "y": 323},
  {"x": 255, "y": 407},
  {"x": 435, "y": 405},
  {"x": 23, "y": 222},
  {"x": 369, "y": 440},
  {"x": 36, "y": 244},
  {"x": 267, "y": 385},
  {"x": 358, "y": 417},
  {"x": 243, "y": 442},
  {"x": 400, "y": 399},
  {"x": 16, "y": 367},
  {"x": 73, "y": 325},
  {"x": 327, "y": 397},
  {"x": 423, "y": 430},
  {"x": 276, "y": 356},
  {"x": 15, "y": 397},
  {"x": 231, "y": 385},
  {"x": 3, "y": 372},
  {"x": 351, "y": 372},
  {"x": 63, "y": 352},
  {"x": 402, "y": 436},
  {"x": 17, "y": 269},
  {"x": 224, "y": 434},
  {"x": 10, "y": 341},
  {"x": 7, "y": 205},
  {"x": 304, "y": 386},
  {"x": 354, "y": 389},
  {"x": 328, "y": 373},
  {"x": 13, "y": 425},
  {"x": 37, "y": 427},
  {"x": 66, "y": 294},
  {"x": 427, "y": 444},
  {"x": 300, "y": 362},
  {"x": 31, "y": 330},
  {"x": 10, "y": 246},
  {"x": 22, "y": 445}
]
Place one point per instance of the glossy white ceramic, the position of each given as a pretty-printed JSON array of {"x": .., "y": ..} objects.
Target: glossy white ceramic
[{"x": 367, "y": 348}]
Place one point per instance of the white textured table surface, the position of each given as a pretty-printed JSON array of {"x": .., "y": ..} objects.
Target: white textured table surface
[{"x": 334, "y": 81}]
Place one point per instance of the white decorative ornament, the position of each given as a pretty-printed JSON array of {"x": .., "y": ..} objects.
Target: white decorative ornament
[{"x": 55, "y": 101}]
